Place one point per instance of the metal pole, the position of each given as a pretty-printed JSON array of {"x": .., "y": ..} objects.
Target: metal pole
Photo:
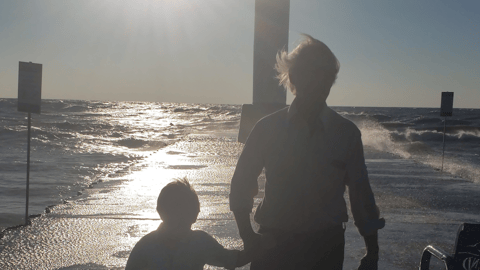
[
  {"x": 28, "y": 169},
  {"x": 444, "y": 129}
]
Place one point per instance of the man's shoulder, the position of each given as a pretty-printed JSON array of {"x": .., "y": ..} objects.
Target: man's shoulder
[
  {"x": 343, "y": 123},
  {"x": 274, "y": 118}
]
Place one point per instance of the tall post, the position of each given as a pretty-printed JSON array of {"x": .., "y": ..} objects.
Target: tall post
[
  {"x": 444, "y": 130},
  {"x": 446, "y": 109},
  {"x": 28, "y": 168},
  {"x": 271, "y": 35}
]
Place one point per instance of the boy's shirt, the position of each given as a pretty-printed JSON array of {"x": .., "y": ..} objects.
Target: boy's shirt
[{"x": 157, "y": 250}]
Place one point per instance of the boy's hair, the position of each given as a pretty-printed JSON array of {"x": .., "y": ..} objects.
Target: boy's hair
[{"x": 178, "y": 201}]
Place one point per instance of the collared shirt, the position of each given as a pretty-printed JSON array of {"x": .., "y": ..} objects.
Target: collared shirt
[{"x": 307, "y": 170}]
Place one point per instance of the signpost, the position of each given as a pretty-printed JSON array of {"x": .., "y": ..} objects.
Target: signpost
[
  {"x": 29, "y": 100},
  {"x": 446, "y": 110}
]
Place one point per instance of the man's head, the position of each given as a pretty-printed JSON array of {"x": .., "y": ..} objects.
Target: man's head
[
  {"x": 178, "y": 203},
  {"x": 309, "y": 70}
]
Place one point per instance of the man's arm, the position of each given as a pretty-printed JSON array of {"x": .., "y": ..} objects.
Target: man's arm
[
  {"x": 243, "y": 258},
  {"x": 370, "y": 260},
  {"x": 251, "y": 240},
  {"x": 244, "y": 185},
  {"x": 364, "y": 209},
  {"x": 244, "y": 226}
]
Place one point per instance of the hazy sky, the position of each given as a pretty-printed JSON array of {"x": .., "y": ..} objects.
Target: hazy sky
[{"x": 401, "y": 53}]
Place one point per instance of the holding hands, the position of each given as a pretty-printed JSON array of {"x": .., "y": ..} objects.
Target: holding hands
[{"x": 255, "y": 244}]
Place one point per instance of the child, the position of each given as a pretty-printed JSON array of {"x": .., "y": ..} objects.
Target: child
[{"x": 174, "y": 245}]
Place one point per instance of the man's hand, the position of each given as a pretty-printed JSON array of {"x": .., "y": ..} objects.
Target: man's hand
[
  {"x": 251, "y": 240},
  {"x": 369, "y": 262},
  {"x": 252, "y": 244},
  {"x": 256, "y": 244}
]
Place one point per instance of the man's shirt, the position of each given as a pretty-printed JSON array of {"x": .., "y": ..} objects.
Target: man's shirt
[
  {"x": 157, "y": 250},
  {"x": 307, "y": 169}
]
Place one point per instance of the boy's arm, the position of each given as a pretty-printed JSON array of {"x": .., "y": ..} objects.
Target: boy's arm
[
  {"x": 215, "y": 254},
  {"x": 243, "y": 258}
]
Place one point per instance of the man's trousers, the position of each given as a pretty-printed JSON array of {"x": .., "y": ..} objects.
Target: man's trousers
[{"x": 317, "y": 250}]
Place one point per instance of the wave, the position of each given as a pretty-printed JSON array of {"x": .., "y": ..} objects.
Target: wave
[
  {"x": 75, "y": 108},
  {"x": 468, "y": 136},
  {"x": 7, "y": 131},
  {"x": 36, "y": 133},
  {"x": 439, "y": 122},
  {"x": 475, "y": 118},
  {"x": 396, "y": 125},
  {"x": 423, "y": 121},
  {"x": 143, "y": 144},
  {"x": 417, "y": 145},
  {"x": 189, "y": 110},
  {"x": 463, "y": 129},
  {"x": 8, "y": 103},
  {"x": 83, "y": 127},
  {"x": 458, "y": 133},
  {"x": 381, "y": 117}
]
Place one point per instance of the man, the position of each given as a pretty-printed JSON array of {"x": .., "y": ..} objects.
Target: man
[{"x": 310, "y": 154}]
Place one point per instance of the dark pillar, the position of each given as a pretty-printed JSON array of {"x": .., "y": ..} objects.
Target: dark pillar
[{"x": 271, "y": 35}]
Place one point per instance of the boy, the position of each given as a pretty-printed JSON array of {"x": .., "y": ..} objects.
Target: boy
[{"x": 174, "y": 245}]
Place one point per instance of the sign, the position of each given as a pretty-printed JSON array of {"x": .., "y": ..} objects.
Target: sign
[
  {"x": 447, "y": 104},
  {"x": 29, "y": 87}
]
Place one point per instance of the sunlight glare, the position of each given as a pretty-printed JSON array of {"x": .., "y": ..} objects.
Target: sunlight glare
[{"x": 156, "y": 6}]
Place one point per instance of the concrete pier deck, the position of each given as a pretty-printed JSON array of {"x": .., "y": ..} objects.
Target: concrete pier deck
[{"x": 98, "y": 228}]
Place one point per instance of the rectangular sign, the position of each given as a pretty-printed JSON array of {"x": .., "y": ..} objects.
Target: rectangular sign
[
  {"x": 447, "y": 104},
  {"x": 29, "y": 87}
]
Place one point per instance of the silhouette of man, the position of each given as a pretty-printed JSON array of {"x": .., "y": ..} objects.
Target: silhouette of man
[{"x": 310, "y": 154}]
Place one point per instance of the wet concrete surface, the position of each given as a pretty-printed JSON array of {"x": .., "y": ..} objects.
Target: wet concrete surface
[{"x": 98, "y": 229}]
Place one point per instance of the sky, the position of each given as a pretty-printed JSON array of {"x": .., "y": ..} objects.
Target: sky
[{"x": 392, "y": 53}]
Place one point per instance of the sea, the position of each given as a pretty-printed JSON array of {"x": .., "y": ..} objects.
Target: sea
[{"x": 75, "y": 143}]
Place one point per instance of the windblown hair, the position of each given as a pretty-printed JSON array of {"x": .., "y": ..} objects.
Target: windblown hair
[
  {"x": 306, "y": 62},
  {"x": 178, "y": 201}
]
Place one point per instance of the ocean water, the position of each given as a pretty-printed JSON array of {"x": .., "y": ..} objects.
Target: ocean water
[{"x": 76, "y": 143}]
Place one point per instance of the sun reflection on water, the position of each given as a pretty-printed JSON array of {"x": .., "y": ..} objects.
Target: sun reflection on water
[{"x": 152, "y": 175}]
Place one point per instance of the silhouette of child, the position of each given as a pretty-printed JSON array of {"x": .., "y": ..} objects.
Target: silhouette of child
[{"x": 174, "y": 245}]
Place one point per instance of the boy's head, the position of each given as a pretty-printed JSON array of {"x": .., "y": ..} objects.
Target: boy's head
[{"x": 178, "y": 203}]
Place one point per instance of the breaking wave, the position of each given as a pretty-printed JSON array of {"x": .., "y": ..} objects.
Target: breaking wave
[{"x": 423, "y": 146}]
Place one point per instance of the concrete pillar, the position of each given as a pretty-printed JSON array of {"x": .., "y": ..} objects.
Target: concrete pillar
[{"x": 271, "y": 35}]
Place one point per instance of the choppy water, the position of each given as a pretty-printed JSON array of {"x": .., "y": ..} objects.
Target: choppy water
[{"x": 75, "y": 142}]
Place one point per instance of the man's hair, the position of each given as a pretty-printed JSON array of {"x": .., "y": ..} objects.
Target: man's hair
[
  {"x": 306, "y": 62},
  {"x": 178, "y": 201}
]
